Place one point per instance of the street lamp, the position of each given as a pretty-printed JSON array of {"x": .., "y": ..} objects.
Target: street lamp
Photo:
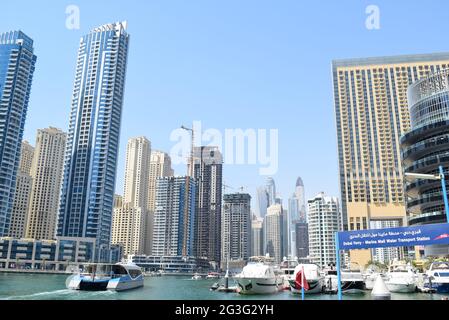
[{"x": 434, "y": 177}]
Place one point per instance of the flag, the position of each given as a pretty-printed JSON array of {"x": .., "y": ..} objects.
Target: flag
[{"x": 301, "y": 281}]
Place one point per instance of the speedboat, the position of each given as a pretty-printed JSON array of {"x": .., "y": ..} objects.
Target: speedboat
[
  {"x": 401, "y": 278},
  {"x": 101, "y": 277},
  {"x": 213, "y": 275},
  {"x": 438, "y": 277},
  {"x": 287, "y": 270},
  {"x": 259, "y": 277},
  {"x": 196, "y": 276},
  {"x": 312, "y": 275}
]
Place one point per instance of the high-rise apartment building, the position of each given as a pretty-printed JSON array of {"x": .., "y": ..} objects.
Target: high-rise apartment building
[
  {"x": 296, "y": 213},
  {"x": 208, "y": 171},
  {"x": 324, "y": 222},
  {"x": 236, "y": 228},
  {"x": 23, "y": 192},
  {"x": 87, "y": 192},
  {"x": 160, "y": 166},
  {"x": 272, "y": 229},
  {"x": 129, "y": 229},
  {"x": 17, "y": 62},
  {"x": 174, "y": 217},
  {"x": 302, "y": 239},
  {"x": 46, "y": 171},
  {"x": 131, "y": 226},
  {"x": 372, "y": 113},
  {"x": 118, "y": 201},
  {"x": 137, "y": 172},
  {"x": 257, "y": 248}
]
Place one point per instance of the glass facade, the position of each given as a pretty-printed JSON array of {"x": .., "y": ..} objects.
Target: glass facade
[
  {"x": 17, "y": 63},
  {"x": 87, "y": 192},
  {"x": 426, "y": 147}
]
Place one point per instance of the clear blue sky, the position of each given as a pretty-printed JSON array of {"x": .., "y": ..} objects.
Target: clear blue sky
[{"x": 231, "y": 64}]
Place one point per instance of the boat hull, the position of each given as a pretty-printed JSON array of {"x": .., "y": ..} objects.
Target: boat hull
[
  {"x": 401, "y": 287},
  {"x": 259, "y": 285},
  {"x": 315, "y": 286},
  {"x": 439, "y": 287},
  {"x": 117, "y": 284},
  {"x": 353, "y": 287}
]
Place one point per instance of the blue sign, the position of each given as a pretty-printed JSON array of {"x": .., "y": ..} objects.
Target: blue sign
[{"x": 395, "y": 237}]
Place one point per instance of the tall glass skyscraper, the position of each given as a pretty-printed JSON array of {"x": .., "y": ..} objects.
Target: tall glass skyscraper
[
  {"x": 17, "y": 63},
  {"x": 87, "y": 192}
]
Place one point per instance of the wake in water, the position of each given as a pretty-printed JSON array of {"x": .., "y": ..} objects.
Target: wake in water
[{"x": 63, "y": 294}]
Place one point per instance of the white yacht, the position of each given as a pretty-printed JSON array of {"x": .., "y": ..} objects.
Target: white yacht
[
  {"x": 287, "y": 270},
  {"x": 438, "y": 277},
  {"x": 352, "y": 282},
  {"x": 401, "y": 278},
  {"x": 259, "y": 277},
  {"x": 98, "y": 277},
  {"x": 313, "y": 276}
]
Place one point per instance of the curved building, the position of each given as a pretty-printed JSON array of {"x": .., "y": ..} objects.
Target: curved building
[{"x": 426, "y": 147}]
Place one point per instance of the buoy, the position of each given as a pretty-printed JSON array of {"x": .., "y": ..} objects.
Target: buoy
[{"x": 380, "y": 290}]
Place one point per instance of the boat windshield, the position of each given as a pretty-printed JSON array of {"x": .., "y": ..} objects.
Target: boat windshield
[
  {"x": 106, "y": 270},
  {"x": 442, "y": 274},
  {"x": 442, "y": 265}
]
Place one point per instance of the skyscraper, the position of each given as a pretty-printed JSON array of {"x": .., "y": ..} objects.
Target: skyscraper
[
  {"x": 324, "y": 221},
  {"x": 160, "y": 166},
  {"x": 208, "y": 171},
  {"x": 257, "y": 248},
  {"x": 271, "y": 190},
  {"x": 296, "y": 213},
  {"x": 272, "y": 228},
  {"x": 131, "y": 224},
  {"x": 17, "y": 63},
  {"x": 236, "y": 228},
  {"x": 174, "y": 217},
  {"x": 424, "y": 148},
  {"x": 262, "y": 202},
  {"x": 137, "y": 172},
  {"x": 371, "y": 115},
  {"x": 302, "y": 239},
  {"x": 23, "y": 192},
  {"x": 46, "y": 171},
  {"x": 87, "y": 192}
]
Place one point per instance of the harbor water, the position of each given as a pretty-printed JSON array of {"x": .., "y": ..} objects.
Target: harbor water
[{"x": 15, "y": 286}]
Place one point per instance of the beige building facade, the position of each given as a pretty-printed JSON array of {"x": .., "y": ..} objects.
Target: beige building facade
[{"x": 371, "y": 110}]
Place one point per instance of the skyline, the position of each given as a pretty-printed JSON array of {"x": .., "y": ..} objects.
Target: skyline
[{"x": 266, "y": 63}]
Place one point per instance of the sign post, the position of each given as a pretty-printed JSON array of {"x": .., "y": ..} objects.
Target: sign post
[
  {"x": 422, "y": 235},
  {"x": 337, "y": 252},
  {"x": 443, "y": 187}
]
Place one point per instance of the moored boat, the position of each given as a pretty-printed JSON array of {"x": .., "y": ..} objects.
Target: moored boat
[
  {"x": 401, "y": 278},
  {"x": 313, "y": 276},
  {"x": 438, "y": 277},
  {"x": 258, "y": 277}
]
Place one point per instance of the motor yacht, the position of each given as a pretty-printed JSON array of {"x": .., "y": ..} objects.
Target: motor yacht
[
  {"x": 313, "y": 276},
  {"x": 401, "y": 278},
  {"x": 438, "y": 277},
  {"x": 259, "y": 277}
]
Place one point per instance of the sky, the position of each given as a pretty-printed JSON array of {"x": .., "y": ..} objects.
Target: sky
[{"x": 248, "y": 64}]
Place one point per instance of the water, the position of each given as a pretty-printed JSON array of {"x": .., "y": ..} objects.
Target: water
[{"x": 52, "y": 287}]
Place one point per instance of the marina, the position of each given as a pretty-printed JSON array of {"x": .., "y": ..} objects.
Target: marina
[{"x": 22, "y": 286}]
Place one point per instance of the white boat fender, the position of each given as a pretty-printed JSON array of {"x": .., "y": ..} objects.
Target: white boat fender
[{"x": 380, "y": 290}]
